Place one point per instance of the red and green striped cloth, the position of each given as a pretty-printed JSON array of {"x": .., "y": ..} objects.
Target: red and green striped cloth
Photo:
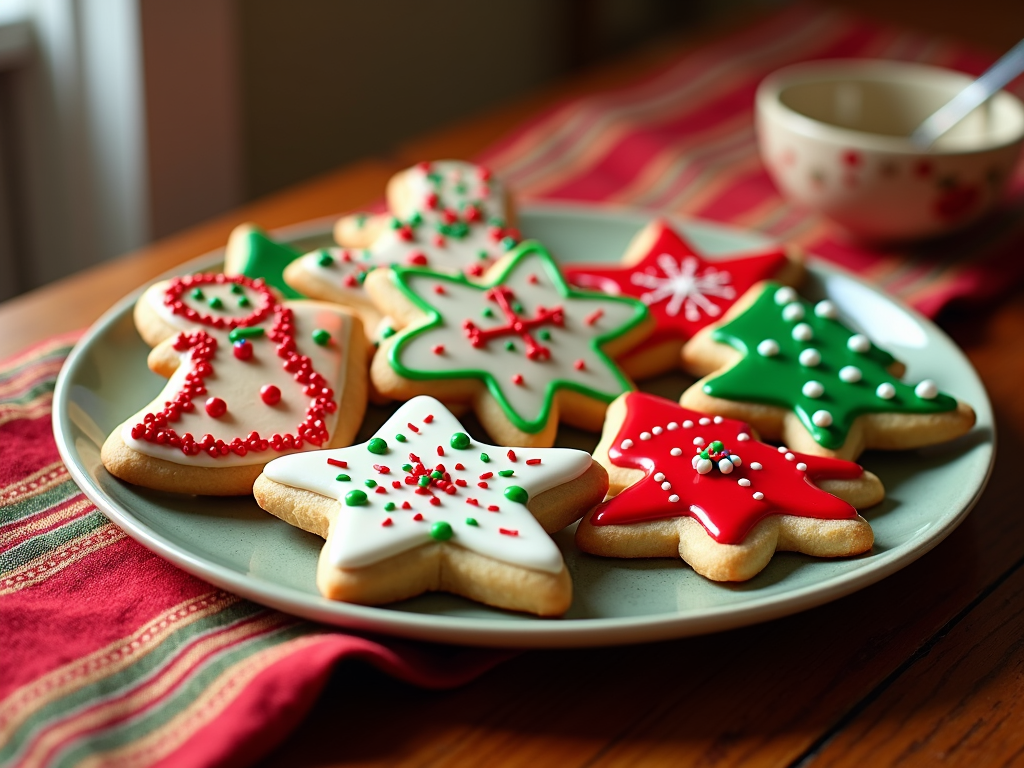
[
  {"x": 112, "y": 657},
  {"x": 682, "y": 141}
]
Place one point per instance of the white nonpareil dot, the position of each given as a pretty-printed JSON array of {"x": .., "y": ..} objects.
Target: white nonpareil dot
[
  {"x": 626, "y": 444},
  {"x": 744, "y": 482},
  {"x": 657, "y": 430},
  {"x": 698, "y": 441},
  {"x": 673, "y": 498},
  {"x": 659, "y": 477},
  {"x": 725, "y": 466},
  {"x": 782, "y": 449},
  {"x": 803, "y": 332},
  {"x": 676, "y": 452},
  {"x": 743, "y": 437},
  {"x": 793, "y": 312},
  {"x": 645, "y": 435},
  {"x": 850, "y": 374},
  {"x": 826, "y": 309},
  {"x": 735, "y": 459},
  {"x": 790, "y": 457},
  {"x": 666, "y": 486},
  {"x": 755, "y": 465},
  {"x": 705, "y": 421},
  {"x": 718, "y": 419},
  {"x": 810, "y": 357},
  {"x": 821, "y": 419},
  {"x": 758, "y": 495},
  {"x": 687, "y": 424},
  {"x": 927, "y": 390},
  {"x": 802, "y": 467},
  {"x": 886, "y": 391},
  {"x": 813, "y": 389},
  {"x": 703, "y": 466},
  {"x": 672, "y": 426},
  {"x": 858, "y": 343},
  {"x": 768, "y": 348},
  {"x": 785, "y": 295}
]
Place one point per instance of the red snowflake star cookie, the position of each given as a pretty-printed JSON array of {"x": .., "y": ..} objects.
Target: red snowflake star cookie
[
  {"x": 250, "y": 378},
  {"x": 683, "y": 290},
  {"x": 705, "y": 489}
]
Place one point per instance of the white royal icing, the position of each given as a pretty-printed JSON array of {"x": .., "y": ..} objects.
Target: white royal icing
[
  {"x": 238, "y": 382},
  {"x": 683, "y": 287},
  {"x": 360, "y": 536}
]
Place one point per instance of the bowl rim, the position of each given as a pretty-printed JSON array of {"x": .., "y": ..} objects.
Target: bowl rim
[{"x": 769, "y": 105}]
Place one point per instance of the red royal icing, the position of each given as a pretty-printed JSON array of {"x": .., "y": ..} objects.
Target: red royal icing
[
  {"x": 726, "y": 509},
  {"x": 514, "y": 325},
  {"x": 681, "y": 289}
]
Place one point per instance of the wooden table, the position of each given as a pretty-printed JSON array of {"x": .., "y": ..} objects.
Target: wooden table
[{"x": 926, "y": 667}]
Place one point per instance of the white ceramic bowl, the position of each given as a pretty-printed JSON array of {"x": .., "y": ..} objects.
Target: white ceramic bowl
[{"x": 833, "y": 135}]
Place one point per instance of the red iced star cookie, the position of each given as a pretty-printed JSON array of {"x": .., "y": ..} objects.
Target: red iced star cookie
[
  {"x": 705, "y": 488},
  {"x": 683, "y": 290}
]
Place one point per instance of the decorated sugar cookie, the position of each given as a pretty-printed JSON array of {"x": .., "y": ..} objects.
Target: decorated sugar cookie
[
  {"x": 422, "y": 506},
  {"x": 249, "y": 378},
  {"x": 705, "y": 489},
  {"x": 449, "y": 216},
  {"x": 521, "y": 347},
  {"x": 799, "y": 375},
  {"x": 684, "y": 291}
]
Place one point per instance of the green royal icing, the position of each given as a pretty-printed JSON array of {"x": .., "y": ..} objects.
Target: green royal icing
[
  {"x": 267, "y": 259},
  {"x": 779, "y": 379},
  {"x": 434, "y": 320}
]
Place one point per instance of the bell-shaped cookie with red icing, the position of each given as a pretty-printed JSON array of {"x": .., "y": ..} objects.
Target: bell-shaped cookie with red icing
[
  {"x": 704, "y": 488},
  {"x": 250, "y": 378}
]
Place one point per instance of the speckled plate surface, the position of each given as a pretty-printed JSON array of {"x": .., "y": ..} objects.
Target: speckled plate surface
[{"x": 237, "y": 546}]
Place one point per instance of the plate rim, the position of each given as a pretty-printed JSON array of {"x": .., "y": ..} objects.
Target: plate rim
[{"x": 476, "y": 631}]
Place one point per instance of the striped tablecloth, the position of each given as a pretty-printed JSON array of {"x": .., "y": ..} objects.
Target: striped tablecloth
[{"x": 110, "y": 656}]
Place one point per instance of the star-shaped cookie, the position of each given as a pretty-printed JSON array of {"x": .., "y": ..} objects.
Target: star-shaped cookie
[
  {"x": 705, "y": 489},
  {"x": 520, "y": 347},
  {"x": 422, "y": 506},
  {"x": 684, "y": 290}
]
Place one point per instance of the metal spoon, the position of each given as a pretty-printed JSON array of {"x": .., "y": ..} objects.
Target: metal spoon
[{"x": 971, "y": 97}]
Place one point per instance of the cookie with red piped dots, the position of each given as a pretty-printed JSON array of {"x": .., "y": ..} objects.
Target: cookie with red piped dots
[
  {"x": 250, "y": 378},
  {"x": 792, "y": 369},
  {"x": 450, "y": 216},
  {"x": 705, "y": 489},
  {"x": 520, "y": 346},
  {"x": 422, "y": 506},
  {"x": 684, "y": 289}
]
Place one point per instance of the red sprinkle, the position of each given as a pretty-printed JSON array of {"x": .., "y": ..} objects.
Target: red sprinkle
[
  {"x": 517, "y": 379},
  {"x": 474, "y": 502},
  {"x": 435, "y": 501},
  {"x": 270, "y": 394},
  {"x": 242, "y": 349},
  {"x": 594, "y": 316},
  {"x": 406, "y": 505},
  {"x": 461, "y": 483},
  {"x": 486, "y": 475},
  {"x": 381, "y": 489},
  {"x": 579, "y": 365},
  {"x": 386, "y": 522},
  {"x": 492, "y": 508},
  {"x": 440, "y": 451},
  {"x": 338, "y": 463},
  {"x": 439, "y": 289},
  {"x": 417, "y": 258},
  {"x": 428, "y": 418},
  {"x": 417, "y": 516},
  {"x": 382, "y": 469},
  {"x": 532, "y": 279},
  {"x": 533, "y": 462},
  {"x": 346, "y": 256},
  {"x": 437, "y": 349},
  {"x": 413, "y": 457},
  {"x": 216, "y": 407},
  {"x": 511, "y": 455},
  {"x": 481, "y": 485},
  {"x": 350, "y": 281},
  {"x": 396, "y": 484},
  {"x": 415, "y": 429},
  {"x": 508, "y": 532},
  {"x": 459, "y": 466}
]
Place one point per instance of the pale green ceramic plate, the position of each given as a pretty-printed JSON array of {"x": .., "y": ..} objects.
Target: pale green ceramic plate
[{"x": 235, "y": 545}]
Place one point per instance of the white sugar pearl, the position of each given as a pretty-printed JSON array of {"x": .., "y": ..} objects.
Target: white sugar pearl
[
  {"x": 736, "y": 460},
  {"x": 703, "y": 466},
  {"x": 705, "y": 421},
  {"x": 858, "y": 343},
  {"x": 813, "y": 389},
  {"x": 850, "y": 374},
  {"x": 672, "y": 426},
  {"x": 755, "y": 465},
  {"x": 626, "y": 444},
  {"x": 810, "y": 357},
  {"x": 785, "y": 295},
  {"x": 694, "y": 460},
  {"x": 718, "y": 419},
  {"x": 782, "y": 449},
  {"x": 725, "y": 466},
  {"x": 659, "y": 476},
  {"x": 666, "y": 486},
  {"x": 790, "y": 457},
  {"x": 926, "y": 390},
  {"x": 698, "y": 441},
  {"x": 687, "y": 424},
  {"x": 821, "y": 418},
  {"x": 744, "y": 482},
  {"x": 657, "y": 430},
  {"x": 673, "y": 498},
  {"x": 768, "y": 348},
  {"x": 886, "y": 391},
  {"x": 803, "y": 332},
  {"x": 645, "y": 435},
  {"x": 758, "y": 495},
  {"x": 743, "y": 437},
  {"x": 826, "y": 309},
  {"x": 676, "y": 452},
  {"x": 793, "y": 312},
  {"x": 802, "y": 467}
]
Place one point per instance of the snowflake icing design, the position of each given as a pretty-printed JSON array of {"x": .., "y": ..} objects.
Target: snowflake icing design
[{"x": 684, "y": 287}]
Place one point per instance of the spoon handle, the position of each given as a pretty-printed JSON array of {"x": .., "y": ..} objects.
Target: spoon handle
[{"x": 975, "y": 94}]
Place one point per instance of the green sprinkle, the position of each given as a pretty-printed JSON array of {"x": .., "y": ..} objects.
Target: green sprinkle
[
  {"x": 244, "y": 333},
  {"x": 516, "y": 494},
  {"x": 367, "y": 253},
  {"x": 483, "y": 255},
  {"x": 416, "y": 219},
  {"x": 461, "y": 188},
  {"x": 361, "y": 277},
  {"x": 400, "y": 437},
  {"x": 436, "y": 474},
  {"x": 496, "y": 222},
  {"x": 471, "y": 521},
  {"x": 424, "y": 481},
  {"x": 517, "y": 307},
  {"x": 197, "y": 293},
  {"x": 441, "y": 531},
  {"x": 506, "y": 472},
  {"x": 343, "y": 478},
  {"x": 355, "y": 499},
  {"x": 459, "y": 441},
  {"x": 510, "y": 346},
  {"x": 325, "y": 259},
  {"x": 389, "y": 507},
  {"x": 215, "y": 302},
  {"x": 321, "y": 337},
  {"x": 488, "y": 312},
  {"x": 236, "y": 288},
  {"x": 388, "y": 332},
  {"x": 704, "y": 454},
  {"x": 484, "y": 458},
  {"x": 377, "y": 445},
  {"x": 396, "y": 223},
  {"x": 508, "y": 243},
  {"x": 370, "y": 483},
  {"x": 407, "y": 467},
  {"x": 716, "y": 446},
  {"x": 243, "y": 301},
  {"x": 545, "y": 335}
]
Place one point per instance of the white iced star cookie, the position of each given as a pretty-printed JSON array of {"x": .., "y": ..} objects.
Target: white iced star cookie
[
  {"x": 421, "y": 506},
  {"x": 521, "y": 347},
  {"x": 448, "y": 215}
]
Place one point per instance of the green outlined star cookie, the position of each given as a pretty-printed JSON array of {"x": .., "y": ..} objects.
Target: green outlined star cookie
[
  {"x": 422, "y": 506},
  {"x": 522, "y": 348},
  {"x": 797, "y": 374}
]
